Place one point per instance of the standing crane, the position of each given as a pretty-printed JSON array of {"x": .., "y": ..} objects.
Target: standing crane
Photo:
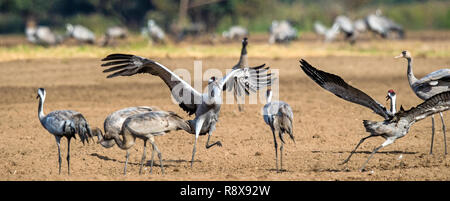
[
  {"x": 114, "y": 32},
  {"x": 281, "y": 32},
  {"x": 113, "y": 124},
  {"x": 206, "y": 106},
  {"x": 278, "y": 115},
  {"x": 42, "y": 35},
  {"x": 80, "y": 33},
  {"x": 428, "y": 86},
  {"x": 63, "y": 123},
  {"x": 146, "y": 126},
  {"x": 382, "y": 25},
  {"x": 235, "y": 32}
]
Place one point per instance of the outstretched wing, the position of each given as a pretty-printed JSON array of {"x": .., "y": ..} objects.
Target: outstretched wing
[
  {"x": 248, "y": 79},
  {"x": 81, "y": 127},
  {"x": 128, "y": 65},
  {"x": 340, "y": 88},
  {"x": 437, "y": 103}
]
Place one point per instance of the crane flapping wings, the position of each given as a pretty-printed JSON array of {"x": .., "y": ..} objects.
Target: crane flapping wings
[
  {"x": 340, "y": 88},
  {"x": 248, "y": 79},
  {"x": 437, "y": 103},
  {"x": 128, "y": 65}
]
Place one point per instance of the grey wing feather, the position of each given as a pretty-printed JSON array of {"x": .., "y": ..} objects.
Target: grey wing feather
[
  {"x": 340, "y": 88},
  {"x": 81, "y": 127},
  {"x": 286, "y": 119},
  {"x": 442, "y": 75},
  {"x": 128, "y": 65},
  {"x": 437, "y": 103}
]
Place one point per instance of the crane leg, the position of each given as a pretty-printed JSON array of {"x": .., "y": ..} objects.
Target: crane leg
[
  {"x": 443, "y": 129},
  {"x": 385, "y": 143},
  {"x": 159, "y": 155},
  {"x": 126, "y": 162},
  {"x": 276, "y": 149},
  {"x": 432, "y": 134},
  {"x": 218, "y": 143},
  {"x": 153, "y": 156},
  {"x": 143, "y": 156},
  {"x": 58, "y": 141},
  {"x": 68, "y": 155},
  {"x": 281, "y": 157},
  {"x": 351, "y": 153},
  {"x": 198, "y": 127}
]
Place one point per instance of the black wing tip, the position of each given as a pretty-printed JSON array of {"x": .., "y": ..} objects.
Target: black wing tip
[{"x": 117, "y": 56}]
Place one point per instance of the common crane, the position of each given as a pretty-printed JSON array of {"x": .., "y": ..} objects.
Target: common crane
[
  {"x": 428, "y": 86},
  {"x": 206, "y": 106},
  {"x": 146, "y": 126},
  {"x": 279, "y": 116},
  {"x": 42, "y": 35},
  {"x": 63, "y": 123},
  {"x": 80, "y": 33},
  {"x": 235, "y": 32}
]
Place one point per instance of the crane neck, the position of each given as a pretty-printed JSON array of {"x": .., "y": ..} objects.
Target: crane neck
[
  {"x": 411, "y": 78},
  {"x": 269, "y": 97},
  {"x": 393, "y": 106},
  {"x": 41, "y": 114},
  {"x": 127, "y": 140},
  {"x": 243, "y": 60}
]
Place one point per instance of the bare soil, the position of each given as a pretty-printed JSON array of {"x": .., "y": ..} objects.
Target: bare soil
[{"x": 326, "y": 127}]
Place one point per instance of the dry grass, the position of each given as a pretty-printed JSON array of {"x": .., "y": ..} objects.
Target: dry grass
[{"x": 421, "y": 44}]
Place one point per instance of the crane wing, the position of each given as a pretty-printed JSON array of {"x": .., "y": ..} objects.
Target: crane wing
[
  {"x": 439, "y": 77},
  {"x": 128, "y": 65},
  {"x": 437, "y": 103},
  {"x": 81, "y": 127},
  {"x": 340, "y": 88},
  {"x": 248, "y": 79}
]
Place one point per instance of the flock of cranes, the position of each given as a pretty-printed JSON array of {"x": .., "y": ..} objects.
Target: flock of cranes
[
  {"x": 122, "y": 127},
  {"x": 376, "y": 23},
  {"x": 280, "y": 31}
]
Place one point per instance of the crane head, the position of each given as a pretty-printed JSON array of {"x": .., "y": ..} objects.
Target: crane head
[
  {"x": 41, "y": 93},
  {"x": 405, "y": 54},
  {"x": 244, "y": 41},
  {"x": 390, "y": 94}
]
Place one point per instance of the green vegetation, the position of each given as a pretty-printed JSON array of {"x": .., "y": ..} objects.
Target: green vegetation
[{"x": 217, "y": 16}]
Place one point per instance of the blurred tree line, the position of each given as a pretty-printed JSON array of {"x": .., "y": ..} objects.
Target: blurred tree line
[{"x": 216, "y": 15}]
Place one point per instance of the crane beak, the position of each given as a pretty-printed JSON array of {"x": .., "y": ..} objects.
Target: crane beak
[
  {"x": 399, "y": 56},
  {"x": 387, "y": 97},
  {"x": 37, "y": 96}
]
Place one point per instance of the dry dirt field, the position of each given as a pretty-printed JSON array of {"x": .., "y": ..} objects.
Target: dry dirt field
[{"x": 326, "y": 128}]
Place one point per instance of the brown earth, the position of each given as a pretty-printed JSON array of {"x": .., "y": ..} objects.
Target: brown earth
[{"x": 326, "y": 128}]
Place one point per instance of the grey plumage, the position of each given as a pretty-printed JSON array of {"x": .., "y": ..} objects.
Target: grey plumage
[
  {"x": 233, "y": 84},
  {"x": 206, "y": 106},
  {"x": 400, "y": 124},
  {"x": 428, "y": 86},
  {"x": 63, "y": 123},
  {"x": 281, "y": 32},
  {"x": 80, "y": 33},
  {"x": 383, "y": 26},
  {"x": 279, "y": 116},
  {"x": 146, "y": 126},
  {"x": 42, "y": 35},
  {"x": 395, "y": 125},
  {"x": 341, "y": 24},
  {"x": 235, "y": 32},
  {"x": 155, "y": 33},
  {"x": 113, "y": 123},
  {"x": 113, "y": 33},
  {"x": 340, "y": 88}
]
